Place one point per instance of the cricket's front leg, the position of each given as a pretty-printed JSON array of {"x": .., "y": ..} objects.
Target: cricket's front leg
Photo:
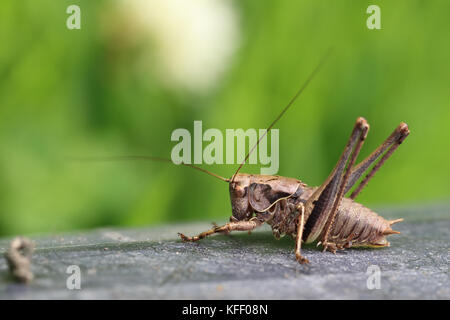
[{"x": 226, "y": 228}]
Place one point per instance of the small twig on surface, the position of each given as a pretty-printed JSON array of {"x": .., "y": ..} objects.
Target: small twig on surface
[{"x": 18, "y": 257}]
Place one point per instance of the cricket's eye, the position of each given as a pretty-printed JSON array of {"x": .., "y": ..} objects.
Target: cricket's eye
[{"x": 240, "y": 191}]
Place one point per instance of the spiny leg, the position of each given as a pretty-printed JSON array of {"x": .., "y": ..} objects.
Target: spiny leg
[
  {"x": 391, "y": 144},
  {"x": 298, "y": 242},
  {"x": 364, "y": 129},
  {"x": 226, "y": 228},
  {"x": 322, "y": 206},
  {"x": 387, "y": 148}
]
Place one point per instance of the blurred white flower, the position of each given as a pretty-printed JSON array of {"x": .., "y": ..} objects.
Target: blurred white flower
[{"x": 192, "y": 40}]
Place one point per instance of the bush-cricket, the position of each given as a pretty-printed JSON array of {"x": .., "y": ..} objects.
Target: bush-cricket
[
  {"x": 321, "y": 213},
  {"x": 310, "y": 214}
]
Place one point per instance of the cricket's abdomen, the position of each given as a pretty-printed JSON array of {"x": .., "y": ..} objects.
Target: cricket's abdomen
[
  {"x": 357, "y": 225},
  {"x": 354, "y": 224}
]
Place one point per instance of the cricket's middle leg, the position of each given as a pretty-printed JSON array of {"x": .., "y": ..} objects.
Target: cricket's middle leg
[{"x": 298, "y": 242}]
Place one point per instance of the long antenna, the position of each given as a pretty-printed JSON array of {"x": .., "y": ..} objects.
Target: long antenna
[
  {"x": 303, "y": 87},
  {"x": 125, "y": 158}
]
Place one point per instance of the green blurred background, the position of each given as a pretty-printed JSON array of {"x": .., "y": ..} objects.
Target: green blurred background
[{"x": 139, "y": 69}]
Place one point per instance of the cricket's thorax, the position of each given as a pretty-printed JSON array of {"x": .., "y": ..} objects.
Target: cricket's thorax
[
  {"x": 252, "y": 194},
  {"x": 276, "y": 200}
]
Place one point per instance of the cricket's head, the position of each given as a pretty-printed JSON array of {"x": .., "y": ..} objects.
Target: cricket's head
[
  {"x": 258, "y": 193},
  {"x": 238, "y": 196}
]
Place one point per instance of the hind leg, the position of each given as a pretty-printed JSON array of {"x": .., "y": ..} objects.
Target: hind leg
[
  {"x": 387, "y": 148},
  {"x": 321, "y": 207},
  {"x": 383, "y": 152}
]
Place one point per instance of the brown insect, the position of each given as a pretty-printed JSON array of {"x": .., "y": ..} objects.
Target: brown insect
[
  {"x": 307, "y": 213},
  {"x": 311, "y": 214}
]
